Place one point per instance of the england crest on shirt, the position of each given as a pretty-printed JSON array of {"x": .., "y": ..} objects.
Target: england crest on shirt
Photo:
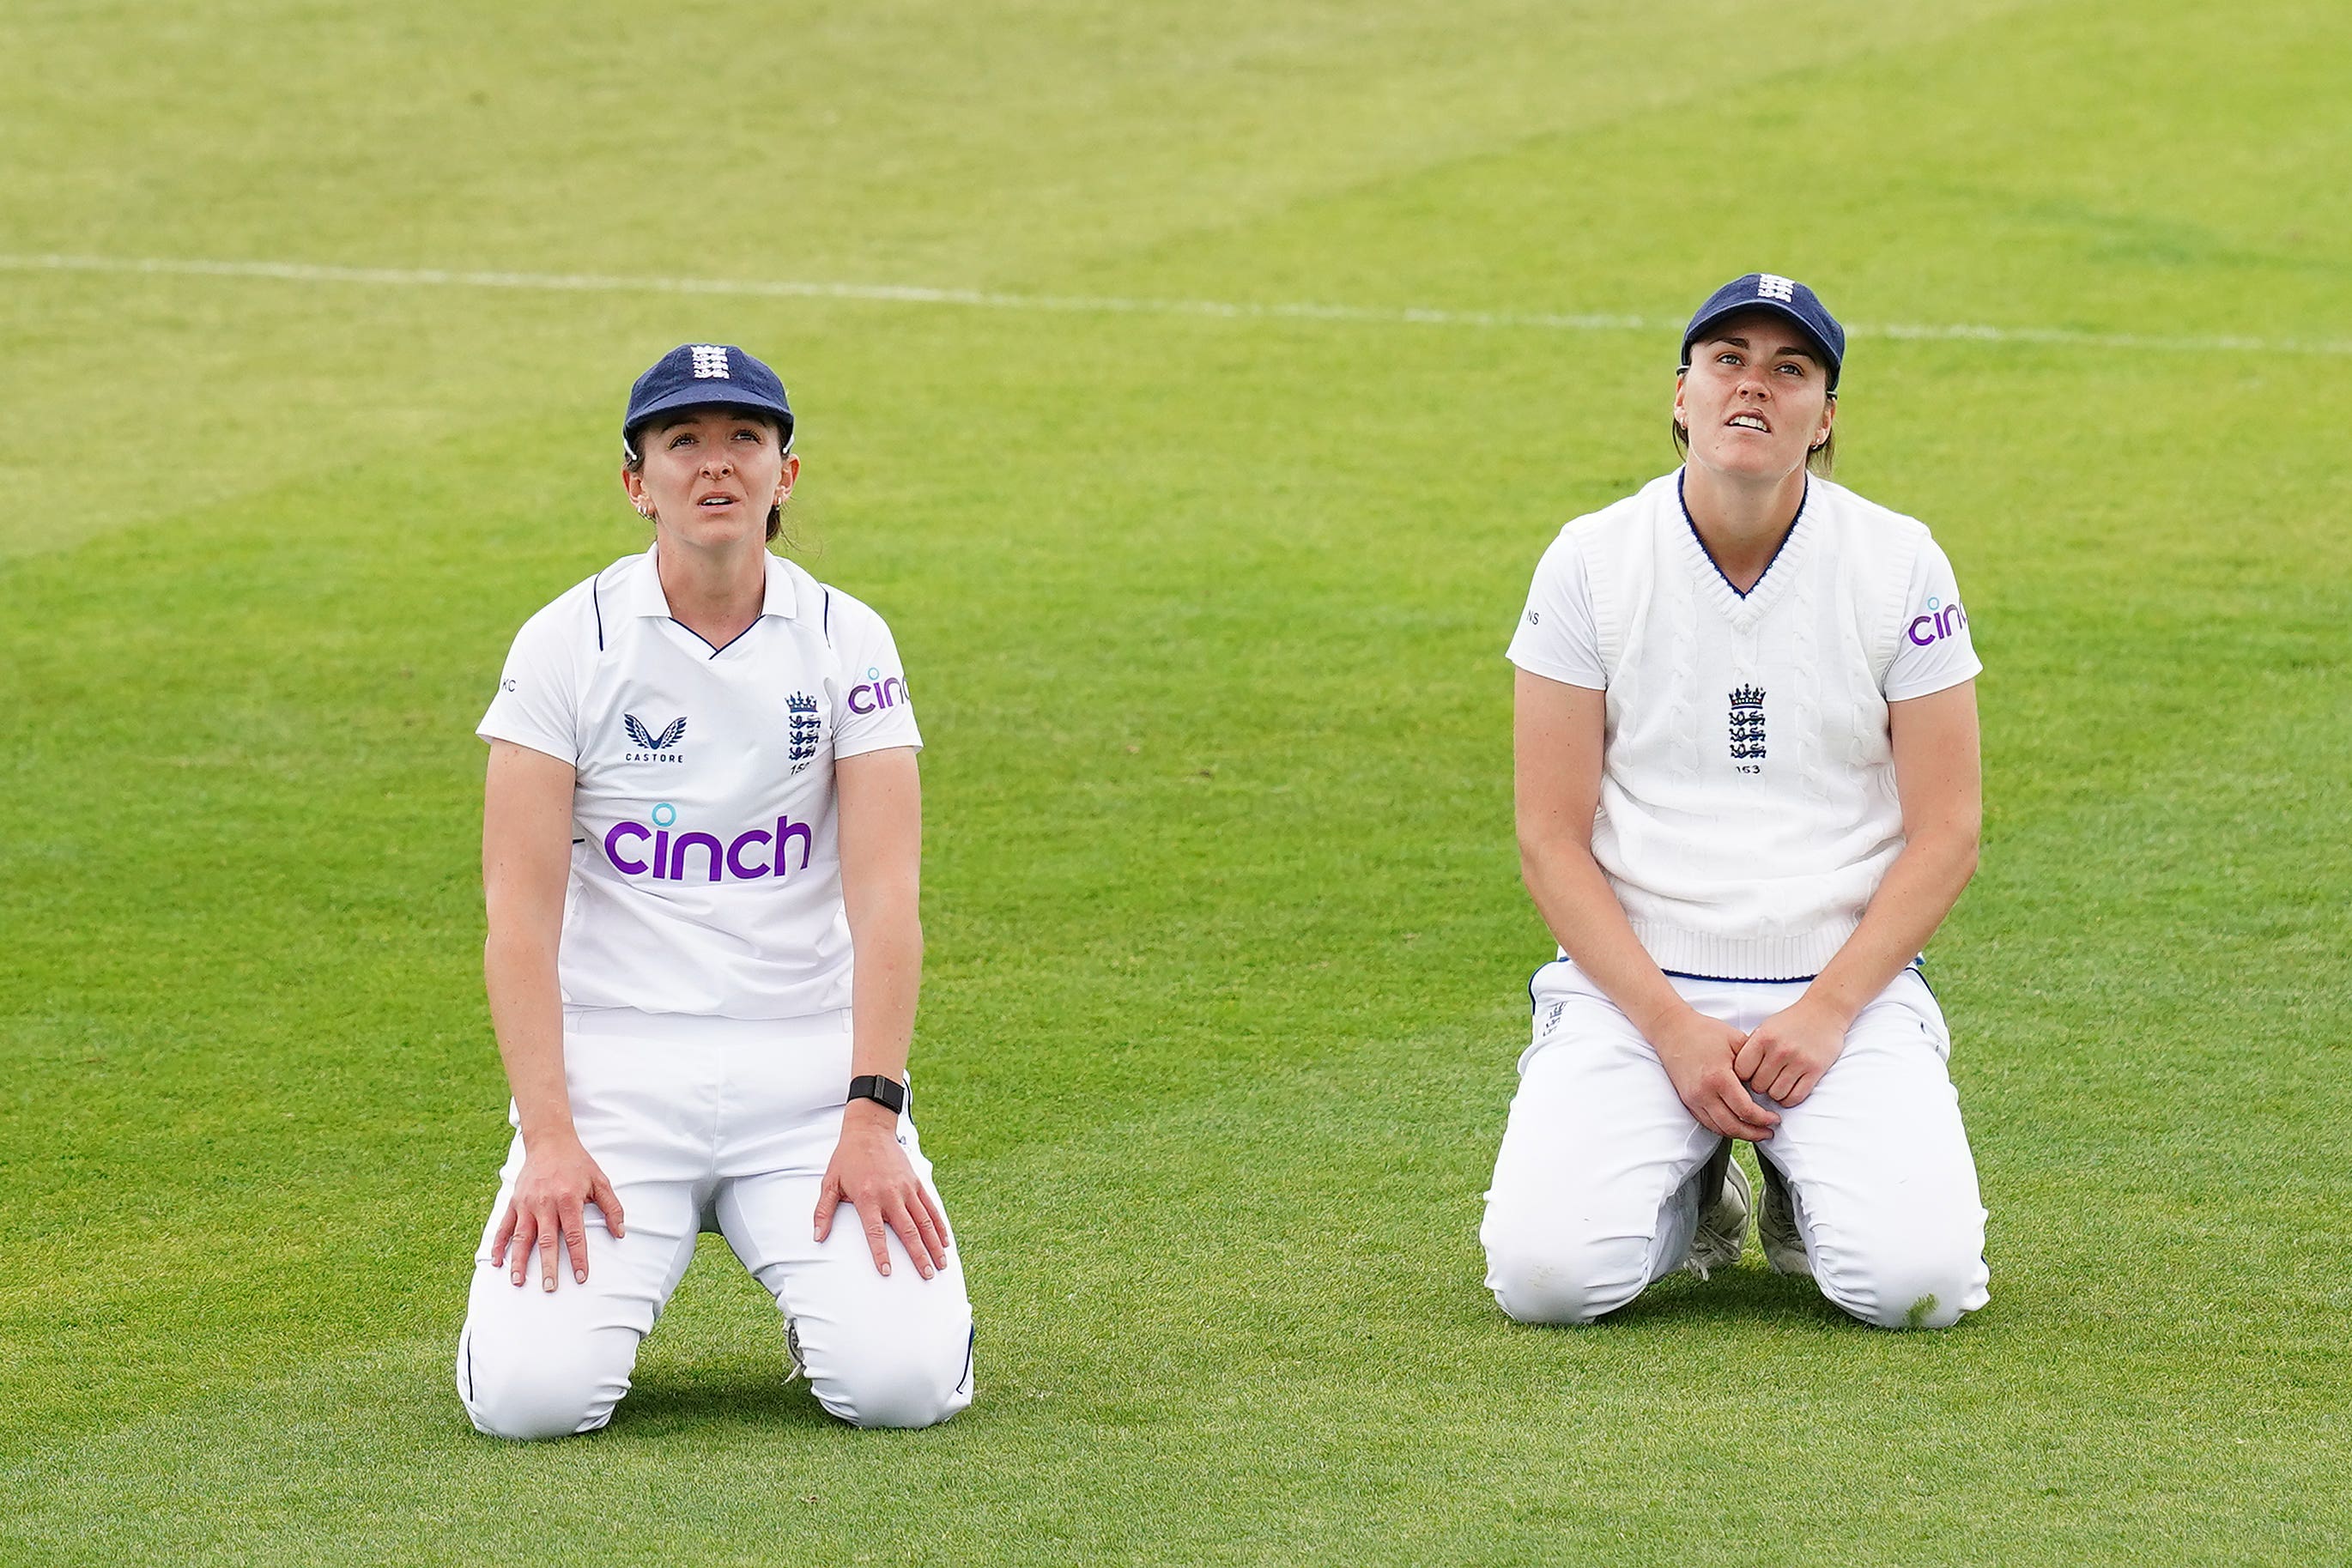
[
  {"x": 805, "y": 728},
  {"x": 1748, "y": 728}
]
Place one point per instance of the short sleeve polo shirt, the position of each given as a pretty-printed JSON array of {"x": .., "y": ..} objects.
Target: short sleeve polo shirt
[{"x": 705, "y": 870}]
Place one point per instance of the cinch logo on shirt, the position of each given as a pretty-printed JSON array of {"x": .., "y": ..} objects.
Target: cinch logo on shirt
[
  {"x": 700, "y": 857},
  {"x": 874, "y": 693},
  {"x": 1938, "y": 622}
]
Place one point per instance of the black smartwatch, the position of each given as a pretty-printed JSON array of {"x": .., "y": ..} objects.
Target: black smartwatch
[{"x": 886, "y": 1092}]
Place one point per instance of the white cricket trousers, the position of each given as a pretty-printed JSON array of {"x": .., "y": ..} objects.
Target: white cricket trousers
[
  {"x": 1595, "y": 1188},
  {"x": 724, "y": 1124}
]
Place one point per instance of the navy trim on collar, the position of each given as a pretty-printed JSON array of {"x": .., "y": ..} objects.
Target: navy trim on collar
[
  {"x": 1699, "y": 540},
  {"x": 641, "y": 594},
  {"x": 719, "y": 648}
]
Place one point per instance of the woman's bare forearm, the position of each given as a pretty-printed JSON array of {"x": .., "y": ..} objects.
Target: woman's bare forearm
[
  {"x": 889, "y": 943},
  {"x": 527, "y": 1014},
  {"x": 1557, "y": 738},
  {"x": 526, "y": 865},
  {"x": 881, "y": 896},
  {"x": 1938, "y": 774},
  {"x": 1581, "y": 910},
  {"x": 1919, "y": 890}
]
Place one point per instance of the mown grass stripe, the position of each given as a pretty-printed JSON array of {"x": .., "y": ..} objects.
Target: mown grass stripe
[{"x": 1112, "y": 305}]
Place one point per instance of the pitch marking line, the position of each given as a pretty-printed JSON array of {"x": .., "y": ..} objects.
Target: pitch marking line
[{"x": 906, "y": 294}]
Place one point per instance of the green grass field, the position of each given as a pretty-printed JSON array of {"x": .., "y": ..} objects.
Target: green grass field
[{"x": 1204, "y": 609}]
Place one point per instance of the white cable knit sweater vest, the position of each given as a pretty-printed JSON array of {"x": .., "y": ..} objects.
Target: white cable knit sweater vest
[{"x": 1748, "y": 803}]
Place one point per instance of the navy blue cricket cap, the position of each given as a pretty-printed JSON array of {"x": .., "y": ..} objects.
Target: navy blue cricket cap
[
  {"x": 1781, "y": 296},
  {"x": 706, "y": 375}
]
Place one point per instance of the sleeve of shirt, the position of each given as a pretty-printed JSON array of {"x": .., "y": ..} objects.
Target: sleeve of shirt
[
  {"x": 1557, "y": 637},
  {"x": 537, "y": 704},
  {"x": 873, "y": 710},
  {"x": 1933, "y": 651}
]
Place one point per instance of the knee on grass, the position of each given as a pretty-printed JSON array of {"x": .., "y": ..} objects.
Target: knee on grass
[
  {"x": 535, "y": 1410},
  {"x": 530, "y": 1398},
  {"x": 1909, "y": 1287},
  {"x": 1570, "y": 1284},
  {"x": 886, "y": 1385}
]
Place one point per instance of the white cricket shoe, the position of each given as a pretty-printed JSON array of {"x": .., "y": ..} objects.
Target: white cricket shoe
[
  {"x": 1776, "y": 1227},
  {"x": 1722, "y": 1206}
]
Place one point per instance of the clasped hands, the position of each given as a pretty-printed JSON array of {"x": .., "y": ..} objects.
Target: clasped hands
[{"x": 1718, "y": 1071}]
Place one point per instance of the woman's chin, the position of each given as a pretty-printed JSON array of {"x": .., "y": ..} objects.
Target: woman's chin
[
  {"x": 1749, "y": 461},
  {"x": 718, "y": 531}
]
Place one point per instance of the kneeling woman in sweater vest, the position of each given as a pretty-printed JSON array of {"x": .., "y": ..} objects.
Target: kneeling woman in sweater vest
[{"x": 1748, "y": 794}]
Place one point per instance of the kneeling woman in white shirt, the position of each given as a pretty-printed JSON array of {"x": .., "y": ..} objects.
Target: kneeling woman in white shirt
[
  {"x": 700, "y": 848},
  {"x": 1748, "y": 794}
]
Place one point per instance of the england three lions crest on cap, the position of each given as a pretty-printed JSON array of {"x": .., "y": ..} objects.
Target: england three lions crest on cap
[
  {"x": 1779, "y": 296},
  {"x": 706, "y": 375}
]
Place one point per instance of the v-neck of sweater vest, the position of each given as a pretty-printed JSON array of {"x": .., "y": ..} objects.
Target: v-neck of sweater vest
[{"x": 1744, "y": 609}]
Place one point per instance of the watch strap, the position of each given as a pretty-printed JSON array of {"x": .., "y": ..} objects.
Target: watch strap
[{"x": 886, "y": 1092}]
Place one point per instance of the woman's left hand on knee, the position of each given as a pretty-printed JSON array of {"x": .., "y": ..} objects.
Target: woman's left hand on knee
[
  {"x": 1786, "y": 1055},
  {"x": 869, "y": 1171}
]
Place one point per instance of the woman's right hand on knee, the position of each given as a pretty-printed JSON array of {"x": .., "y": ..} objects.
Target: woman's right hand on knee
[
  {"x": 558, "y": 1180},
  {"x": 1698, "y": 1053}
]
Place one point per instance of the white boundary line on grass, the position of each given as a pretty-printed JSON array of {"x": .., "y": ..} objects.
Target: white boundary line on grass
[{"x": 907, "y": 294}]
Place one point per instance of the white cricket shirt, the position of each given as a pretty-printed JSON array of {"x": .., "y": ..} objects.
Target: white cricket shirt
[
  {"x": 706, "y": 869},
  {"x": 1747, "y": 801}
]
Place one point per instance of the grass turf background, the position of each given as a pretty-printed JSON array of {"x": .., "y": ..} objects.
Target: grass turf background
[{"x": 1205, "y": 616}]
